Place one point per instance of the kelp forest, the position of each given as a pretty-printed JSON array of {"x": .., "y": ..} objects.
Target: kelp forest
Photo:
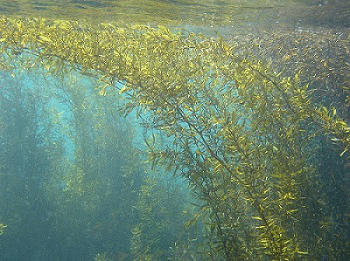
[{"x": 135, "y": 142}]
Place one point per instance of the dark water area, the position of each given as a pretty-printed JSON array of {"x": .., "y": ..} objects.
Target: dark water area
[{"x": 174, "y": 130}]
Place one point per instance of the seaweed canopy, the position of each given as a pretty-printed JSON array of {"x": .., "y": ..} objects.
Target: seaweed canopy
[{"x": 241, "y": 134}]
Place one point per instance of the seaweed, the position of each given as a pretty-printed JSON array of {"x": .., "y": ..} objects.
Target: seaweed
[{"x": 243, "y": 135}]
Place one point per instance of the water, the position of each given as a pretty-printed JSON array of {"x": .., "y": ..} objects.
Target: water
[
  {"x": 257, "y": 14},
  {"x": 235, "y": 150}
]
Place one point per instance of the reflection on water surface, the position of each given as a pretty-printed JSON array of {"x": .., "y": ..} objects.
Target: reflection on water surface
[{"x": 241, "y": 14}]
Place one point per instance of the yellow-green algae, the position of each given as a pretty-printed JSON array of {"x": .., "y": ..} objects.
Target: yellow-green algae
[
  {"x": 2, "y": 228},
  {"x": 237, "y": 126}
]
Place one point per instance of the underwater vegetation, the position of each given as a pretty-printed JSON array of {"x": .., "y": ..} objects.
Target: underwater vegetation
[
  {"x": 2, "y": 228},
  {"x": 82, "y": 198},
  {"x": 251, "y": 139}
]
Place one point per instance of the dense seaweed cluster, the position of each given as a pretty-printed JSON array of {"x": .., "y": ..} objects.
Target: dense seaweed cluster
[{"x": 245, "y": 134}]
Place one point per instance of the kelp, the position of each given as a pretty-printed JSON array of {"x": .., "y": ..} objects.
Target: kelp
[
  {"x": 24, "y": 166},
  {"x": 242, "y": 135},
  {"x": 2, "y": 228}
]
